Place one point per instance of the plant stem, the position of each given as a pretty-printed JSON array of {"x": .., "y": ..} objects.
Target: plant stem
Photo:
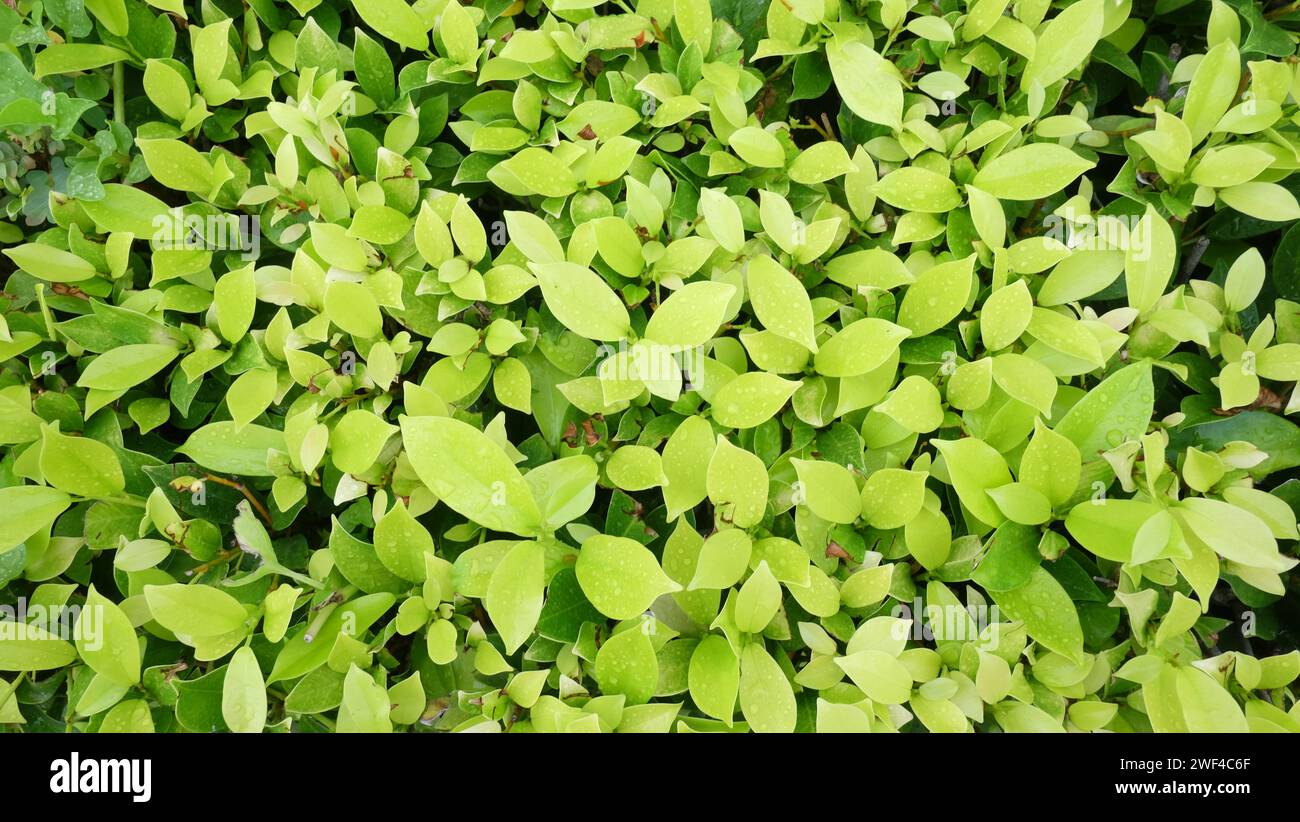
[
  {"x": 248, "y": 495},
  {"x": 119, "y": 94}
]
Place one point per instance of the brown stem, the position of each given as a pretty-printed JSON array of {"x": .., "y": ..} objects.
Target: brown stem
[
  {"x": 224, "y": 556},
  {"x": 248, "y": 495}
]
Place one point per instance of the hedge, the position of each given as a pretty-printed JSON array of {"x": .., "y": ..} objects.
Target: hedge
[{"x": 649, "y": 365}]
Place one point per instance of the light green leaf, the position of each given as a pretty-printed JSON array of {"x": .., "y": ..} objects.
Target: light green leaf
[
  {"x": 1207, "y": 706},
  {"x": 867, "y": 83},
  {"x": 106, "y": 640},
  {"x": 974, "y": 467},
  {"x": 1049, "y": 615},
  {"x": 750, "y": 399},
  {"x": 620, "y": 577},
  {"x": 626, "y": 664},
  {"x": 1065, "y": 43},
  {"x": 938, "y": 295},
  {"x": 365, "y": 707},
  {"x": 395, "y": 20},
  {"x": 691, "y": 315},
  {"x": 1031, "y": 172},
  {"x": 1212, "y": 90},
  {"x": 758, "y": 600},
  {"x": 1117, "y": 409},
  {"x": 80, "y": 465},
  {"x": 714, "y": 677},
  {"x": 195, "y": 610},
  {"x": 25, "y": 647},
  {"x": 225, "y": 448},
  {"x": 918, "y": 189},
  {"x": 514, "y": 596},
  {"x": 470, "y": 473},
  {"x": 126, "y": 366},
  {"x": 781, "y": 302},
  {"x": 243, "y": 694},
  {"x": 54, "y": 265},
  {"x": 401, "y": 543},
  {"x": 28, "y": 509},
  {"x": 859, "y": 348},
  {"x": 766, "y": 698},
  {"x": 880, "y": 676},
  {"x": 582, "y": 300}
]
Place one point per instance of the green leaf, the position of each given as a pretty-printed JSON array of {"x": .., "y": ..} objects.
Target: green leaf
[
  {"x": 1049, "y": 615},
  {"x": 766, "y": 698},
  {"x": 938, "y": 295},
  {"x": 359, "y": 563},
  {"x": 691, "y": 315},
  {"x": 867, "y": 82},
  {"x": 251, "y": 394},
  {"x": 1149, "y": 260},
  {"x": 106, "y": 640},
  {"x": 395, "y": 20},
  {"x": 126, "y": 366},
  {"x": 580, "y": 299},
  {"x": 722, "y": 560},
  {"x": 235, "y": 298},
  {"x": 66, "y": 58},
  {"x": 470, "y": 473},
  {"x": 758, "y": 600},
  {"x": 130, "y": 716},
  {"x": 365, "y": 707},
  {"x": 750, "y": 399},
  {"x": 1011, "y": 558},
  {"x": 514, "y": 596},
  {"x": 880, "y": 676},
  {"x": 1232, "y": 533},
  {"x": 1212, "y": 90},
  {"x": 859, "y": 348},
  {"x": 737, "y": 484},
  {"x": 828, "y": 490},
  {"x": 918, "y": 189},
  {"x": 566, "y": 608},
  {"x": 1051, "y": 463},
  {"x": 177, "y": 165},
  {"x": 757, "y": 147},
  {"x": 243, "y": 694},
  {"x": 80, "y": 466},
  {"x": 401, "y": 543},
  {"x": 25, "y": 647},
  {"x": 781, "y": 302},
  {"x": 1117, "y": 409},
  {"x": 1207, "y": 706},
  {"x": 29, "y": 509},
  {"x": 686, "y": 463},
  {"x": 1031, "y": 172},
  {"x": 626, "y": 664},
  {"x": 194, "y": 610},
  {"x": 533, "y": 237},
  {"x": 722, "y": 216},
  {"x": 539, "y": 172},
  {"x": 51, "y": 264},
  {"x": 620, "y": 577},
  {"x": 226, "y": 448},
  {"x": 892, "y": 497},
  {"x": 714, "y": 677},
  {"x": 1065, "y": 43},
  {"x": 353, "y": 308},
  {"x": 975, "y": 467},
  {"x": 694, "y": 21},
  {"x": 458, "y": 35}
]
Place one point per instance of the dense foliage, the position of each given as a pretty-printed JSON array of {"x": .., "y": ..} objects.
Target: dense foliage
[{"x": 649, "y": 365}]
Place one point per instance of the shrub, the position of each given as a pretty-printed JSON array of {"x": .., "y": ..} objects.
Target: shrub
[{"x": 649, "y": 366}]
